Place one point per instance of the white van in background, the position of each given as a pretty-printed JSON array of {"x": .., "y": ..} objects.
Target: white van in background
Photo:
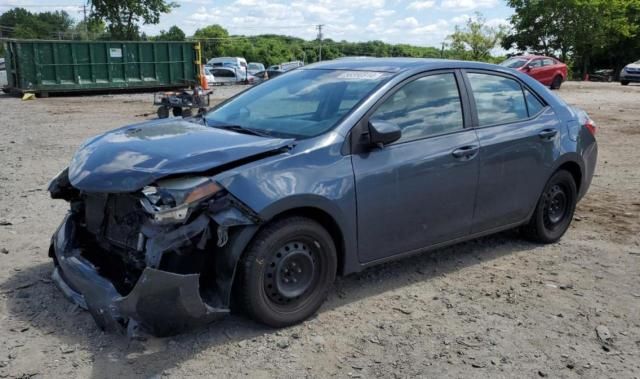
[{"x": 237, "y": 63}]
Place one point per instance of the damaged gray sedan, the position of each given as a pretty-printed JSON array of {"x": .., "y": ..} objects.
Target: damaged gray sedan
[{"x": 323, "y": 171}]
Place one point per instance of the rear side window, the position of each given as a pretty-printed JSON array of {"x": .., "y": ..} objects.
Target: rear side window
[
  {"x": 425, "y": 107},
  {"x": 499, "y": 100},
  {"x": 533, "y": 104},
  {"x": 548, "y": 62}
]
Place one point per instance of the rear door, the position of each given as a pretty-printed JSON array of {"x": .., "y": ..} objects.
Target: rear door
[
  {"x": 419, "y": 190},
  {"x": 519, "y": 138}
]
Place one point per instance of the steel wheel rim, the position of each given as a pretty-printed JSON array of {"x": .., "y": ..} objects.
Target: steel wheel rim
[
  {"x": 291, "y": 273},
  {"x": 556, "y": 206}
]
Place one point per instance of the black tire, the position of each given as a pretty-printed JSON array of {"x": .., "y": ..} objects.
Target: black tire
[
  {"x": 271, "y": 292},
  {"x": 187, "y": 112},
  {"x": 624, "y": 83},
  {"x": 177, "y": 111},
  {"x": 554, "y": 211},
  {"x": 163, "y": 112},
  {"x": 557, "y": 82}
]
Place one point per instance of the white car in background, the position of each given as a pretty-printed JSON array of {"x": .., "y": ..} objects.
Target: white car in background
[
  {"x": 237, "y": 63},
  {"x": 211, "y": 79},
  {"x": 228, "y": 75},
  {"x": 3, "y": 74},
  {"x": 255, "y": 67}
]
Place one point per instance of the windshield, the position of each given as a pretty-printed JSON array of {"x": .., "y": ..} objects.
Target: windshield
[
  {"x": 514, "y": 62},
  {"x": 300, "y": 104},
  {"x": 256, "y": 66}
]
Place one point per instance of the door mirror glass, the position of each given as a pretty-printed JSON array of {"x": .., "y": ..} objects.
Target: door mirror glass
[{"x": 383, "y": 132}]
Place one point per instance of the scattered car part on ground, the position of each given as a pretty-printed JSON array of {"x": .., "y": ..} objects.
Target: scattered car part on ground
[
  {"x": 182, "y": 103},
  {"x": 630, "y": 74},
  {"x": 547, "y": 70},
  {"x": 276, "y": 191}
]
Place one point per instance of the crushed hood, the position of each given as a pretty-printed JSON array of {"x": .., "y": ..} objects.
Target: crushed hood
[{"x": 129, "y": 158}]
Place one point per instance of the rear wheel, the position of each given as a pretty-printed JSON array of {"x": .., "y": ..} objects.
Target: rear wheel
[
  {"x": 624, "y": 83},
  {"x": 554, "y": 210},
  {"x": 557, "y": 82},
  {"x": 177, "y": 111},
  {"x": 287, "y": 270}
]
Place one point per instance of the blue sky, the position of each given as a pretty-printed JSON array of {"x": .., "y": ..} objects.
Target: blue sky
[{"x": 420, "y": 22}]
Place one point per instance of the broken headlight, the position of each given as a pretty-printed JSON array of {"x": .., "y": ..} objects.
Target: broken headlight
[{"x": 171, "y": 200}]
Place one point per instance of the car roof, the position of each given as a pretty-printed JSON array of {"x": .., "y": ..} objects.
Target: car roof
[
  {"x": 532, "y": 56},
  {"x": 395, "y": 65}
]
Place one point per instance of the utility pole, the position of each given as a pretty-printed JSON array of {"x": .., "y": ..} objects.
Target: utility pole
[
  {"x": 319, "y": 27},
  {"x": 86, "y": 27}
]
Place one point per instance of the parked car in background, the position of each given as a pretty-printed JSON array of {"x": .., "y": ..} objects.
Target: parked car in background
[
  {"x": 324, "y": 171},
  {"x": 238, "y": 63},
  {"x": 209, "y": 76},
  {"x": 3, "y": 74},
  {"x": 630, "y": 73},
  {"x": 254, "y": 68},
  {"x": 602, "y": 75},
  {"x": 547, "y": 70},
  {"x": 261, "y": 76},
  {"x": 279, "y": 69},
  {"x": 229, "y": 75}
]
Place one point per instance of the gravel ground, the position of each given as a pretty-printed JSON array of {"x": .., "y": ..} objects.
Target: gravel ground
[{"x": 495, "y": 307}]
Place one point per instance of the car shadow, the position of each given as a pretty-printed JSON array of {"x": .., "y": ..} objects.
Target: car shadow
[{"x": 34, "y": 301}]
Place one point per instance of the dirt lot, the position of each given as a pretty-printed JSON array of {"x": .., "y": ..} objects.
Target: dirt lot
[{"x": 496, "y": 307}]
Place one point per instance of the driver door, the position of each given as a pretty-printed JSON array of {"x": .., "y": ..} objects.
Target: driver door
[{"x": 420, "y": 190}]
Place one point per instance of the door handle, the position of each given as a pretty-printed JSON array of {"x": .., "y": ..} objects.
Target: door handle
[
  {"x": 465, "y": 152},
  {"x": 548, "y": 133}
]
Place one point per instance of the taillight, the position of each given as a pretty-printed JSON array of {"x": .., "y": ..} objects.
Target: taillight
[{"x": 591, "y": 126}]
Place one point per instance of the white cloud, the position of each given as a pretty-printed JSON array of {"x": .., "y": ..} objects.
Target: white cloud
[
  {"x": 384, "y": 12},
  {"x": 417, "y": 5},
  {"x": 467, "y": 5},
  {"x": 409, "y": 22}
]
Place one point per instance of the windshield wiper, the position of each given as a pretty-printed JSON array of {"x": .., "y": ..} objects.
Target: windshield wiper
[
  {"x": 236, "y": 128},
  {"x": 242, "y": 129}
]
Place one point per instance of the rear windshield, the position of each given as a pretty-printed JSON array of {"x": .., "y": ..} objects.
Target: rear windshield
[
  {"x": 299, "y": 104},
  {"x": 514, "y": 62}
]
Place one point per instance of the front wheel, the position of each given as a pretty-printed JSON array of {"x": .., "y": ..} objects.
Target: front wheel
[
  {"x": 557, "y": 82},
  {"x": 624, "y": 83},
  {"x": 554, "y": 210},
  {"x": 287, "y": 270}
]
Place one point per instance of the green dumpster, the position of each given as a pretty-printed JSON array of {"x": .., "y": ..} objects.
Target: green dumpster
[{"x": 78, "y": 66}]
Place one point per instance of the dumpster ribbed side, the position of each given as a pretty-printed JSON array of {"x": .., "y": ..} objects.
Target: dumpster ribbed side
[{"x": 67, "y": 66}]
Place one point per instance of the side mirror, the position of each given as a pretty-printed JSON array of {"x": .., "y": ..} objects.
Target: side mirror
[
  {"x": 527, "y": 67},
  {"x": 383, "y": 132}
]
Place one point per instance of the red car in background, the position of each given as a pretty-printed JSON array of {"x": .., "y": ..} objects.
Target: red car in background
[{"x": 548, "y": 71}]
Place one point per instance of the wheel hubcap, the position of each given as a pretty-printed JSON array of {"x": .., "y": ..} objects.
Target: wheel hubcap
[
  {"x": 291, "y": 272},
  {"x": 555, "y": 207}
]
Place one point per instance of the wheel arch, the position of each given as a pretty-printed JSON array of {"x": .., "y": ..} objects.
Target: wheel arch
[{"x": 574, "y": 169}]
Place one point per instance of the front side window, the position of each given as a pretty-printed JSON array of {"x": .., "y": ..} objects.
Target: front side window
[
  {"x": 514, "y": 62},
  {"x": 300, "y": 104},
  {"x": 424, "y": 107},
  {"x": 536, "y": 63},
  {"x": 499, "y": 100}
]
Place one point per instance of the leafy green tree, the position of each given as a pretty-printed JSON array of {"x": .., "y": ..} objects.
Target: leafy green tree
[
  {"x": 124, "y": 16},
  {"x": 173, "y": 34},
  {"x": 476, "y": 39},
  {"x": 214, "y": 39},
  {"x": 579, "y": 31}
]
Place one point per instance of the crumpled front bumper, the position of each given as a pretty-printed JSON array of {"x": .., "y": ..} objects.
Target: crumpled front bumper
[{"x": 161, "y": 303}]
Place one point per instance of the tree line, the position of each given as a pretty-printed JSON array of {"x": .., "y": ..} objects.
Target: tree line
[{"x": 586, "y": 34}]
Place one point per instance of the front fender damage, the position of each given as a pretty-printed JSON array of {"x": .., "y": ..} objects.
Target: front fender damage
[{"x": 168, "y": 296}]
